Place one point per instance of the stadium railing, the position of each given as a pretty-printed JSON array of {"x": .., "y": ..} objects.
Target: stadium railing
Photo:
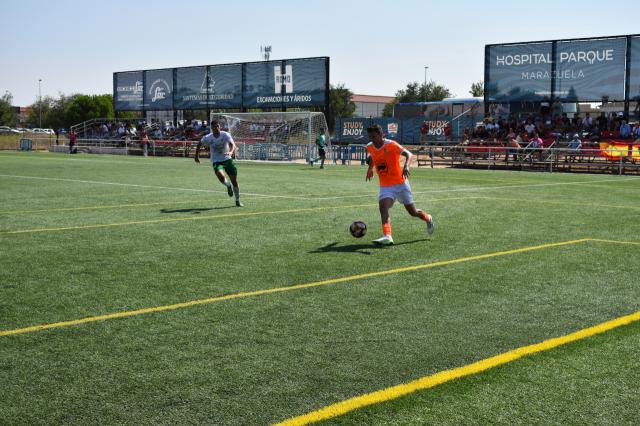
[
  {"x": 618, "y": 159},
  {"x": 590, "y": 158}
]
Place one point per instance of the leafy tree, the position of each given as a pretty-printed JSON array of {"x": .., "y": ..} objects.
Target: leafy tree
[
  {"x": 477, "y": 89},
  {"x": 84, "y": 107},
  {"x": 41, "y": 107},
  {"x": 8, "y": 116},
  {"x": 340, "y": 103},
  {"x": 416, "y": 92}
]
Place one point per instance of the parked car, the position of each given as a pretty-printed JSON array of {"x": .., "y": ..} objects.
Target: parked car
[
  {"x": 43, "y": 131},
  {"x": 5, "y": 130}
]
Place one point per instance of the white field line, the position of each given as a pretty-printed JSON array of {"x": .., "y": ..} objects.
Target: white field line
[
  {"x": 316, "y": 198},
  {"x": 134, "y": 185}
]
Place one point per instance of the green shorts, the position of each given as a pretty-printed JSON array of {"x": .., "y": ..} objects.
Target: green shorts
[{"x": 228, "y": 166}]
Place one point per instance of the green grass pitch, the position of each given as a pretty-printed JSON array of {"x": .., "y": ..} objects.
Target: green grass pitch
[{"x": 85, "y": 236}]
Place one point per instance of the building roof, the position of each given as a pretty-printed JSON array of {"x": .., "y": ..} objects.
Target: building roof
[{"x": 372, "y": 99}]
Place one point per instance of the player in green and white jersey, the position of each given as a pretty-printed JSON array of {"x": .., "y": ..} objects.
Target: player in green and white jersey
[{"x": 222, "y": 149}]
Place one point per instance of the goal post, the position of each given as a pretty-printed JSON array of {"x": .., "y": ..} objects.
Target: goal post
[{"x": 275, "y": 135}]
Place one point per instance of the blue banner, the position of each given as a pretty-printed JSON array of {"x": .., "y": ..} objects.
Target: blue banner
[
  {"x": 309, "y": 82},
  {"x": 128, "y": 91},
  {"x": 291, "y": 83},
  {"x": 354, "y": 130},
  {"x": 192, "y": 86},
  {"x": 519, "y": 72},
  {"x": 634, "y": 77},
  {"x": 590, "y": 70},
  {"x": 275, "y": 84},
  {"x": 225, "y": 86},
  {"x": 158, "y": 93}
]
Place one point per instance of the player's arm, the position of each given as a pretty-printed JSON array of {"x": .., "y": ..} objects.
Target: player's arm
[
  {"x": 407, "y": 162},
  {"x": 197, "y": 156},
  {"x": 369, "y": 161},
  {"x": 232, "y": 147}
]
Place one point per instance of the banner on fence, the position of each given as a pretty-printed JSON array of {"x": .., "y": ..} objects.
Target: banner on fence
[{"x": 272, "y": 84}]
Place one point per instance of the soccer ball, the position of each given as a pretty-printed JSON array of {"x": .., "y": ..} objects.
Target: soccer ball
[{"x": 358, "y": 229}]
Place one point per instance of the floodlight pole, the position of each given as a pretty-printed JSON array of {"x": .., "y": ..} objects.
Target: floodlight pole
[
  {"x": 40, "y": 102},
  {"x": 425, "y": 83}
]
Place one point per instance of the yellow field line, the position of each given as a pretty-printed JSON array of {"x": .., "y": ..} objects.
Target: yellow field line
[
  {"x": 284, "y": 289},
  {"x": 184, "y": 219},
  {"x": 394, "y": 392},
  {"x": 427, "y": 382},
  {"x": 177, "y": 219},
  {"x": 113, "y": 206},
  {"x": 635, "y": 243}
]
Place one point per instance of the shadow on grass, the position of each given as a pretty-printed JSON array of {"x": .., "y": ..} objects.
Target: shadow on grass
[
  {"x": 359, "y": 248},
  {"x": 195, "y": 210}
]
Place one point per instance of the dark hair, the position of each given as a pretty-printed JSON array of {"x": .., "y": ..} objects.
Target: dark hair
[
  {"x": 375, "y": 128},
  {"x": 215, "y": 122}
]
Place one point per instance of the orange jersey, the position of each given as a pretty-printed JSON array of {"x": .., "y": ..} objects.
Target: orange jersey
[{"x": 387, "y": 162}]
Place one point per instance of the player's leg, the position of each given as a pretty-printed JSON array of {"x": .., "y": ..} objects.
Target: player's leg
[
  {"x": 384, "y": 205},
  {"x": 232, "y": 172},
  {"x": 421, "y": 214},
  {"x": 405, "y": 196},
  {"x": 322, "y": 157},
  {"x": 217, "y": 169}
]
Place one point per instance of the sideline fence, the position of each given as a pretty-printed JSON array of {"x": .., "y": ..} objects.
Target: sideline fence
[{"x": 625, "y": 160}]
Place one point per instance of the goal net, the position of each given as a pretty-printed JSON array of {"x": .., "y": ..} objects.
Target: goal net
[{"x": 275, "y": 135}]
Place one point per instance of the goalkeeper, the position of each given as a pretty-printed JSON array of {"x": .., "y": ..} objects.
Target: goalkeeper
[{"x": 320, "y": 143}]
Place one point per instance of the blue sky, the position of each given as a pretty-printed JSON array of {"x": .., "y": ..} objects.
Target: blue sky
[{"x": 376, "y": 48}]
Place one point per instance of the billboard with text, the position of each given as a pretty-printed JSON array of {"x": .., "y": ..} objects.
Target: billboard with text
[
  {"x": 590, "y": 70},
  {"x": 158, "y": 93},
  {"x": 290, "y": 83},
  {"x": 128, "y": 90},
  {"x": 579, "y": 70}
]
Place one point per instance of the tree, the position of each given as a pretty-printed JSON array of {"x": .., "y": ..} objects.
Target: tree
[
  {"x": 84, "y": 107},
  {"x": 8, "y": 116},
  {"x": 416, "y": 92},
  {"x": 477, "y": 89},
  {"x": 340, "y": 103},
  {"x": 38, "y": 109}
]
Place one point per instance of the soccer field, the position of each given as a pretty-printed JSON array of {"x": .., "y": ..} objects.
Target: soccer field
[{"x": 133, "y": 291}]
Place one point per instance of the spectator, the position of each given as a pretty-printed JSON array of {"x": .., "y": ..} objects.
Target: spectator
[
  {"x": 602, "y": 122},
  {"x": 145, "y": 143},
  {"x": 625, "y": 130},
  {"x": 545, "y": 107},
  {"x": 535, "y": 141},
  {"x": 72, "y": 142},
  {"x": 530, "y": 128},
  {"x": 514, "y": 143},
  {"x": 556, "y": 108},
  {"x": 575, "y": 143}
]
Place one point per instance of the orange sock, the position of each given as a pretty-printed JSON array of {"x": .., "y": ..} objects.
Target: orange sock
[
  {"x": 386, "y": 229},
  {"x": 426, "y": 217}
]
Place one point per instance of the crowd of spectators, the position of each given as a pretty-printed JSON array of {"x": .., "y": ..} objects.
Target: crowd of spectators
[
  {"x": 136, "y": 129},
  {"x": 546, "y": 130},
  {"x": 186, "y": 130}
]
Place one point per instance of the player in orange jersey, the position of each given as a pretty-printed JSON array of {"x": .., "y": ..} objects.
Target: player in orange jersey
[{"x": 385, "y": 155}]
